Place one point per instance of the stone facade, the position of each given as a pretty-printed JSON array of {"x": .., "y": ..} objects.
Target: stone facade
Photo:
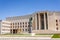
[{"x": 44, "y": 22}]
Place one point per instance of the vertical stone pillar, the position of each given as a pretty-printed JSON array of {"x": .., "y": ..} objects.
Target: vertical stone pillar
[
  {"x": 12, "y": 31},
  {"x": 36, "y": 22},
  {"x": 12, "y": 28},
  {"x": 39, "y": 20},
  {"x": 58, "y": 24},
  {"x": 44, "y": 21}
]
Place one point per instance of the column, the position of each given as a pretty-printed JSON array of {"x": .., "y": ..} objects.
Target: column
[
  {"x": 36, "y": 22},
  {"x": 12, "y": 29},
  {"x": 39, "y": 20},
  {"x": 44, "y": 21}
]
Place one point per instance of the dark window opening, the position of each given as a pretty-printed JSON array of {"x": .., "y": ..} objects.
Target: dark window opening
[
  {"x": 23, "y": 22},
  {"x": 14, "y": 31},
  {"x": 18, "y": 23},
  {"x": 25, "y": 29},
  {"x": 56, "y": 20},
  {"x": 57, "y": 28},
  {"x": 13, "y": 23},
  {"x": 11, "y": 31},
  {"x": 26, "y": 26},
  {"x": 37, "y": 23},
  {"x": 23, "y": 25},
  {"x": 46, "y": 21},
  {"x": 42, "y": 20},
  {"x": 56, "y": 24}
]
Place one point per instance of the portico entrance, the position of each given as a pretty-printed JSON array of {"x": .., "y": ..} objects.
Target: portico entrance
[{"x": 13, "y": 31}]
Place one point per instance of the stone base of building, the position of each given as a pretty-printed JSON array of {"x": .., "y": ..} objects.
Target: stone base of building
[{"x": 45, "y": 32}]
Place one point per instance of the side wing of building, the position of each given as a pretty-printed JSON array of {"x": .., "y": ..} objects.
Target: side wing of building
[
  {"x": 19, "y": 24},
  {"x": 4, "y": 27}
]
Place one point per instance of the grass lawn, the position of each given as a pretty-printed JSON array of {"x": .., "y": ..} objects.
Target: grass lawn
[
  {"x": 15, "y": 35},
  {"x": 29, "y": 35},
  {"x": 56, "y": 36},
  {"x": 26, "y": 35}
]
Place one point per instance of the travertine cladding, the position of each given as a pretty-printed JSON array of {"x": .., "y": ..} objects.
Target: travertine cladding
[
  {"x": 47, "y": 26},
  {"x": 20, "y": 19},
  {"x": 4, "y": 27},
  {"x": 52, "y": 27},
  {"x": 52, "y": 17}
]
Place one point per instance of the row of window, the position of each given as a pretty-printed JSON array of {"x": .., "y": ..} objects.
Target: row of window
[
  {"x": 25, "y": 29},
  {"x": 57, "y": 24},
  {"x": 20, "y": 23},
  {"x": 15, "y": 30},
  {"x": 18, "y": 26}
]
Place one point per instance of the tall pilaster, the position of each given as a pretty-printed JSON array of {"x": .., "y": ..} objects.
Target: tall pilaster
[
  {"x": 12, "y": 31},
  {"x": 12, "y": 28},
  {"x": 39, "y": 20},
  {"x": 36, "y": 22},
  {"x": 44, "y": 21}
]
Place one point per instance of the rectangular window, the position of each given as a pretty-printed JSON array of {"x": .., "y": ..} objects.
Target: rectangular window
[
  {"x": 13, "y": 23},
  {"x": 25, "y": 29},
  {"x": 25, "y": 22},
  {"x": 56, "y": 22},
  {"x": 20, "y": 23},
  {"x": 23, "y": 25}
]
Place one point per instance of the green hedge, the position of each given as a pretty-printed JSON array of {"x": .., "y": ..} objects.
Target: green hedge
[{"x": 56, "y": 36}]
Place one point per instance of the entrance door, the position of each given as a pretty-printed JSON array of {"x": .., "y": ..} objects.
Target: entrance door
[{"x": 14, "y": 31}]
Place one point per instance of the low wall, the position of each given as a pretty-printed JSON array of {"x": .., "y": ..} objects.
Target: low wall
[{"x": 45, "y": 32}]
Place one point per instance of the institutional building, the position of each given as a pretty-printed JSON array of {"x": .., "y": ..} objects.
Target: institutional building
[{"x": 43, "y": 22}]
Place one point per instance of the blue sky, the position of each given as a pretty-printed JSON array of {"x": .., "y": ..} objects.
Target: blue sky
[{"x": 24, "y": 7}]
